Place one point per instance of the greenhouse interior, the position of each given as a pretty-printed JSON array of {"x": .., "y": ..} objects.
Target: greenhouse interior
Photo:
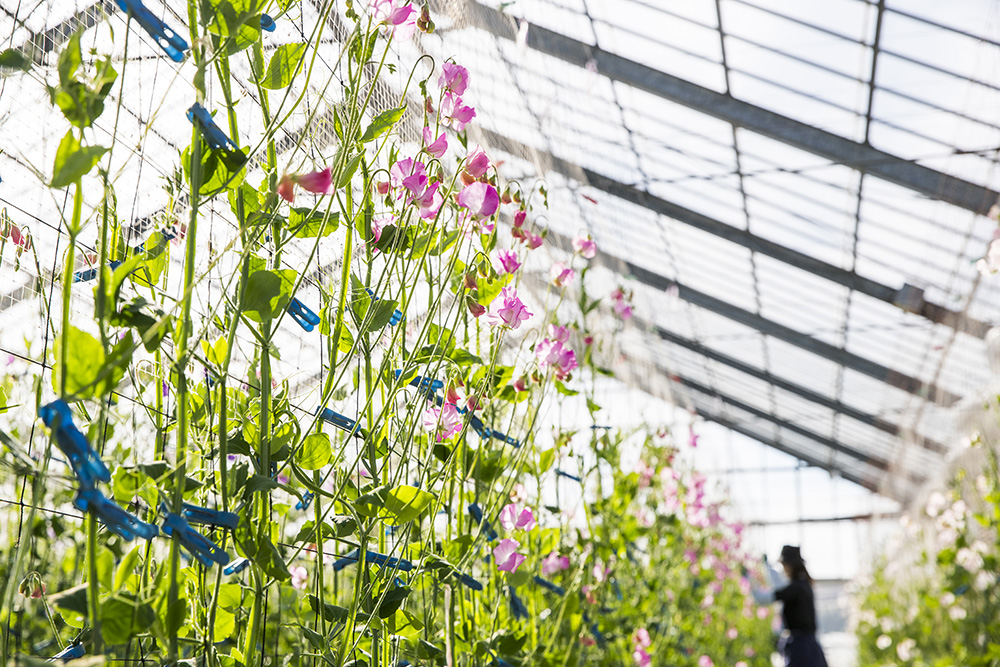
[{"x": 466, "y": 333}]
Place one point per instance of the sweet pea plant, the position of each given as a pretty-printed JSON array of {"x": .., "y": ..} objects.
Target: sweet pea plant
[
  {"x": 180, "y": 503},
  {"x": 941, "y": 607}
]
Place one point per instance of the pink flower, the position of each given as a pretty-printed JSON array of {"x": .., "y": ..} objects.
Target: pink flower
[
  {"x": 732, "y": 633},
  {"x": 559, "y": 333},
  {"x": 378, "y": 224},
  {"x": 585, "y": 246},
  {"x": 299, "y": 577},
  {"x": 454, "y": 113},
  {"x": 521, "y": 383},
  {"x": 409, "y": 174},
  {"x": 507, "y": 310},
  {"x": 642, "y": 639},
  {"x": 623, "y": 309},
  {"x": 741, "y": 663},
  {"x": 641, "y": 658},
  {"x": 511, "y": 519},
  {"x": 587, "y": 640},
  {"x": 507, "y": 558},
  {"x": 316, "y": 182},
  {"x": 519, "y": 218},
  {"x": 560, "y": 357},
  {"x": 454, "y": 78},
  {"x": 508, "y": 260},
  {"x": 692, "y": 437},
  {"x": 434, "y": 147},
  {"x": 429, "y": 201},
  {"x": 477, "y": 163},
  {"x": 561, "y": 275},
  {"x": 554, "y": 563},
  {"x": 400, "y": 15},
  {"x": 481, "y": 199},
  {"x": 534, "y": 240},
  {"x": 705, "y": 661},
  {"x": 445, "y": 421}
]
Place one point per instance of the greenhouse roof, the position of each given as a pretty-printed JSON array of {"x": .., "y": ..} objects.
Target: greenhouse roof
[{"x": 795, "y": 193}]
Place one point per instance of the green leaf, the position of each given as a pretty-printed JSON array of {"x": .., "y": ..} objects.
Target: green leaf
[
  {"x": 381, "y": 313},
  {"x": 105, "y": 569},
  {"x": 125, "y": 568},
  {"x": 281, "y": 69},
  {"x": 84, "y": 362},
  {"x": 268, "y": 294},
  {"x": 392, "y": 601},
  {"x": 73, "y": 161},
  {"x": 406, "y": 503},
  {"x": 382, "y": 123},
  {"x": 14, "y": 59},
  {"x": 371, "y": 503},
  {"x": 403, "y": 624},
  {"x": 349, "y": 170},
  {"x": 546, "y": 458},
  {"x": 123, "y": 617},
  {"x": 331, "y": 612},
  {"x": 335, "y": 526},
  {"x": 259, "y": 483},
  {"x": 225, "y": 17},
  {"x": 72, "y": 599},
  {"x": 315, "y": 452},
  {"x": 564, "y": 390},
  {"x": 304, "y": 223}
]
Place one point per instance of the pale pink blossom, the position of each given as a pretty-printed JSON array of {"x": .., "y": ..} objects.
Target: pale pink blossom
[
  {"x": 692, "y": 437},
  {"x": 300, "y": 577},
  {"x": 561, "y": 275},
  {"x": 507, "y": 558},
  {"x": 410, "y": 174},
  {"x": 399, "y": 15},
  {"x": 434, "y": 147},
  {"x": 587, "y": 640},
  {"x": 554, "y": 563},
  {"x": 481, "y": 199},
  {"x": 445, "y": 421},
  {"x": 641, "y": 658},
  {"x": 507, "y": 309},
  {"x": 477, "y": 163},
  {"x": 559, "y": 333},
  {"x": 508, "y": 260},
  {"x": 641, "y": 639},
  {"x": 705, "y": 661},
  {"x": 512, "y": 519},
  {"x": 429, "y": 201},
  {"x": 454, "y": 113},
  {"x": 585, "y": 245},
  {"x": 316, "y": 182},
  {"x": 732, "y": 633},
  {"x": 378, "y": 224},
  {"x": 534, "y": 240}
]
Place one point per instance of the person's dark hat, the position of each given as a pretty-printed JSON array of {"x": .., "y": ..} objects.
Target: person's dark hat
[{"x": 791, "y": 555}]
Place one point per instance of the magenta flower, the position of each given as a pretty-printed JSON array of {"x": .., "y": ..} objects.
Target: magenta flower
[
  {"x": 585, "y": 246},
  {"x": 454, "y": 78},
  {"x": 511, "y": 519},
  {"x": 316, "y": 182},
  {"x": 434, "y": 147},
  {"x": 477, "y": 163},
  {"x": 641, "y": 658},
  {"x": 481, "y": 199},
  {"x": 300, "y": 577},
  {"x": 519, "y": 218},
  {"x": 429, "y": 201},
  {"x": 559, "y": 333},
  {"x": 508, "y": 260},
  {"x": 534, "y": 240},
  {"x": 445, "y": 421},
  {"x": 561, "y": 275},
  {"x": 641, "y": 639},
  {"x": 507, "y": 309},
  {"x": 399, "y": 15},
  {"x": 409, "y": 174},
  {"x": 565, "y": 363},
  {"x": 507, "y": 558},
  {"x": 692, "y": 437},
  {"x": 554, "y": 563},
  {"x": 455, "y": 113}
]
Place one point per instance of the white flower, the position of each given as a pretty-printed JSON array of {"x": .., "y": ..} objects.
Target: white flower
[
  {"x": 883, "y": 642},
  {"x": 957, "y": 613},
  {"x": 948, "y": 599},
  {"x": 969, "y": 559},
  {"x": 904, "y": 649},
  {"x": 935, "y": 504}
]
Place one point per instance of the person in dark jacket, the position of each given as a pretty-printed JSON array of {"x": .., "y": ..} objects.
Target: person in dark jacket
[{"x": 798, "y": 612}]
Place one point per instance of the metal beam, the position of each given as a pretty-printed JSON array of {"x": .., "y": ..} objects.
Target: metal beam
[
  {"x": 829, "y": 443},
  {"x": 860, "y": 156},
  {"x": 793, "y": 388},
  {"x": 841, "y": 356},
  {"x": 849, "y": 279}
]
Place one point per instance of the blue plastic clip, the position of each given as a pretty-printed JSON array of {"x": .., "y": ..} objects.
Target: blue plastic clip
[
  {"x": 477, "y": 514},
  {"x": 71, "y": 652},
  {"x": 86, "y": 463},
  {"x": 397, "y": 315},
  {"x": 485, "y": 432},
  {"x": 214, "y": 136},
  {"x": 516, "y": 606},
  {"x": 237, "y": 566},
  {"x": 606, "y": 428},
  {"x": 169, "y": 41},
  {"x": 116, "y": 519},
  {"x": 549, "y": 586},
  {"x": 563, "y": 473},
  {"x": 340, "y": 421},
  {"x": 617, "y": 589},
  {"x": 206, "y": 517},
  {"x": 86, "y": 275},
  {"x": 421, "y": 382},
  {"x": 266, "y": 23},
  {"x": 204, "y": 550},
  {"x": 468, "y": 581},
  {"x": 306, "y": 501},
  {"x": 306, "y": 318},
  {"x": 375, "y": 559},
  {"x": 595, "y": 631}
]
